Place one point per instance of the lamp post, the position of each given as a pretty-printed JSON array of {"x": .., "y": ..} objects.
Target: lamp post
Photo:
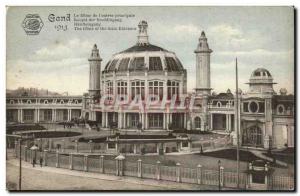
[
  {"x": 20, "y": 165},
  {"x": 219, "y": 168}
]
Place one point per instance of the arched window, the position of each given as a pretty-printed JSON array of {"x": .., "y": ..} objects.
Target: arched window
[
  {"x": 11, "y": 102},
  {"x": 61, "y": 102},
  {"x": 219, "y": 104},
  {"x": 28, "y": 101},
  {"x": 173, "y": 89},
  {"x": 76, "y": 101},
  {"x": 138, "y": 89},
  {"x": 156, "y": 88},
  {"x": 197, "y": 122},
  {"x": 46, "y": 102}
]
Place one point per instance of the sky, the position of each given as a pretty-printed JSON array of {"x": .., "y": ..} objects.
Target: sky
[{"x": 58, "y": 60}]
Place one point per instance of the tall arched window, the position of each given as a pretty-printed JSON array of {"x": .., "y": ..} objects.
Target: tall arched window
[
  {"x": 173, "y": 88},
  {"x": 156, "y": 88},
  {"x": 197, "y": 122}
]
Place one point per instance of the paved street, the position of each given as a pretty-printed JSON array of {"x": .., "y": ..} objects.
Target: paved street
[{"x": 48, "y": 178}]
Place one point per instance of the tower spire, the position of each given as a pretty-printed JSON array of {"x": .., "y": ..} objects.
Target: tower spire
[
  {"x": 143, "y": 35},
  {"x": 95, "y": 72},
  {"x": 203, "y": 66}
]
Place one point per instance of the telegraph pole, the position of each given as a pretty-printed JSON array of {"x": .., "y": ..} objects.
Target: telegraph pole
[
  {"x": 237, "y": 105},
  {"x": 20, "y": 164}
]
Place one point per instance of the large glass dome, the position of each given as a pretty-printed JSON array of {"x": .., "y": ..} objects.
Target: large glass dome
[{"x": 144, "y": 56}]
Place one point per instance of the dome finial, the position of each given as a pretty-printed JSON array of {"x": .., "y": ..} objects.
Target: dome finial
[
  {"x": 95, "y": 46},
  {"x": 143, "y": 36},
  {"x": 202, "y": 34}
]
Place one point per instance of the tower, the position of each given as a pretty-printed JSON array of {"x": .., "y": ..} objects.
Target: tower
[
  {"x": 95, "y": 72},
  {"x": 203, "y": 89},
  {"x": 203, "y": 66},
  {"x": 143, "y": 35}
]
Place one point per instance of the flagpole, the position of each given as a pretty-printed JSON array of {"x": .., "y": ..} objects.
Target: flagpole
[{"x": 237, "y": 125}]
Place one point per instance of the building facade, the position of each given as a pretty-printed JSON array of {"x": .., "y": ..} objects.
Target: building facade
[{"x": 145, "y": 87}]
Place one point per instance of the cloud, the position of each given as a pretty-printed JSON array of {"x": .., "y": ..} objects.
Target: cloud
[{"x": 63, "y": 50}]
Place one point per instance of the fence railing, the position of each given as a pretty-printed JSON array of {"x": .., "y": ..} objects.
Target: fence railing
[{"x": 120, "y": 167}]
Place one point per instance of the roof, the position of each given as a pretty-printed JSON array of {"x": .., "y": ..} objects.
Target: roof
[
  {"x": 223, "y": 96},
  {"x": 260, "y": 71},
  {"x": 142, "y": 48},
  {"x": 288, "y": 98}
]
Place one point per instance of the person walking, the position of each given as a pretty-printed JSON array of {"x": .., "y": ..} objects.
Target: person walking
[
  {"x": 33, "y": 162},
  {"x": 41, "y": 161}
]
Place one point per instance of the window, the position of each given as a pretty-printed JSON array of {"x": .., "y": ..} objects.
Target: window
[
  {"x": 245, "y": 107},
  {"x": 122, "y": 88},
  {"x": 261, "y": 107},
  {"x": 28, "y": 115},
  {"x": 109, "y": 90},
  {"x": 138, "y": 89},
  {"x": 47, "y": 115},
  {"x": 113, "y": 65},
  {"x": 219, "y": 104},
  {"x": 11, "y": 102},
  {"x": 156, "y": 120},
  {"x": 137, "y": 64},
  {"x": 155, "y": 63},
  {"x": 253, "y": 107},
  {"x": 111, "y": 145},
  {"x": 123, "y": 64},
  {"x": 172, "y": 64},
  {"x": 46, "y": 102},
  {"x": 197, "y": 122},
  {"x": 185, "y": 144},
  {"x": 173, "y": 89},
  {"x": 133, "y": 120},
  {"x": 156, "y": 88}
]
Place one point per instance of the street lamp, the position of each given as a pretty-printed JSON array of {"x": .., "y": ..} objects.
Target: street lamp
[{"x": 219, "y": 167}]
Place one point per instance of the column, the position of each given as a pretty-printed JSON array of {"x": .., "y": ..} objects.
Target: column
[
  {"x": 119, "y": 120},
  {"x": 178, "y": 172},
  {"x": 199, "y": 174},
  {"x": 164, "y": 121},
  {"x": 53, "y": 115},
  {"x": 226, "y": 122},
  {"x": 35, "y": 116},
  {"x": 124, "y": 120},
  {"x": 103, "y": 119},
  {"x": 106, "y": 119},
  {"x": 184, "y": 120},
  {"x": 168, "y": 120},
  {"x": 139, "y": 168},
  {"x": 211, "y": 122},
  {"x": 38, "y": 115},
  {"x": 20, "y": 115},
  {"x": 69, "y": 114},
  {"x": 229, "y": 122},
  {"x": 147, "y": 123},
  {"x": 143, "y": 121},
  {"x": 158, "y": 172}
]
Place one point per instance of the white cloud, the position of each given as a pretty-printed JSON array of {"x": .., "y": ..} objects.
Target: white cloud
[{"x": 63, "y": 50}]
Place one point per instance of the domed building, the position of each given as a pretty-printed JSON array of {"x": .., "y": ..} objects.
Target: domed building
[
  {"x": 145, "y": 73},
  {"x": 145, "y": 87}
]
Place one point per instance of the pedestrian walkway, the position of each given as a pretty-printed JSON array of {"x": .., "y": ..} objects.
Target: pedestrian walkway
[{"x": 167, "y": 185}]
